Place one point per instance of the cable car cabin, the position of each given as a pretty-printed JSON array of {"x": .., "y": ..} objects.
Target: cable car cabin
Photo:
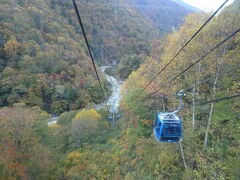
[
  {"x": 168, "y": 128},
  {"x": 116, "y": 117},
  {"x": 110, "y": 118}
]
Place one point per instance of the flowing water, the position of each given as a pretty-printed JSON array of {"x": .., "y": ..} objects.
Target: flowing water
[{"x": 112, "y": 102}]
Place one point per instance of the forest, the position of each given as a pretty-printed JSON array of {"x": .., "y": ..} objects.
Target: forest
[
  {"x": 46, "y": 71},
  {"x": 44, "y": 60}
]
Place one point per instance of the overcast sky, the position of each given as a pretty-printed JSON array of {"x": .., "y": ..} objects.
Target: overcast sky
[{"x": 206, "y": 5}]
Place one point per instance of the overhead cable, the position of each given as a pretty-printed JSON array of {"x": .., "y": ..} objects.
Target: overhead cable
[
  {"x": 88, "y": 46},
  {"x": 220, "y": 99},
  {"x": 209, "y": 52},
  {"x": 200, "y": 59},
  {"x": 220, "y": 75},
  {"x": 195, "y": 34}
]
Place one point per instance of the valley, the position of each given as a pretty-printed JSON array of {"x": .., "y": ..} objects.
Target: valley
[{"x": 62, "y": 119}]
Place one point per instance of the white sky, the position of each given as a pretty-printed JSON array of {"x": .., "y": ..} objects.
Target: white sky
[{"x": 206, "y": 5}]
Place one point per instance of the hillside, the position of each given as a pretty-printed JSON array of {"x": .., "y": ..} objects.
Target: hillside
[
  {"x": 210, "y": 131},
  {"x": 181, "y": 2},
  {"x": 44, "y": 40},
  {"x": 43, "y": 58},
  {"x": 45, "y": 70},
  {"x": 166, "y": 14}
]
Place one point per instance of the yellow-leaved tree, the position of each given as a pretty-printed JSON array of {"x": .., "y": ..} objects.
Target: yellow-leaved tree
[
  {"x": 12, "y": 49},
  {"x": 84, "y": 125}
]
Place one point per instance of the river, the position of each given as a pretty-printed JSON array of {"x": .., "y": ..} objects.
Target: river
[{"x": 112, "y": 102}]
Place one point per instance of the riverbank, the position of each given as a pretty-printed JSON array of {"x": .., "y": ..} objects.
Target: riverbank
[{"x": 113, "y": 101}]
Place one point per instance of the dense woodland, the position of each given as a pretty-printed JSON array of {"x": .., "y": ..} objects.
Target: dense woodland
[
  {"x": 44, "y": 61},
  {"x": 45, "y": 69}
]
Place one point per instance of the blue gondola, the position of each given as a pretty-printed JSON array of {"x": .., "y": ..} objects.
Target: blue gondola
[
  {"x": 168, "y": 128},
  {"x": 116, "y": 117},
  {"x": 110, "y": 118}
]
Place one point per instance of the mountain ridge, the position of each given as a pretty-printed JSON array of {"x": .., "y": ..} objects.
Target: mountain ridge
[
  {"x": 181, "y": 2},
  {"x": 167, "y": 15}
]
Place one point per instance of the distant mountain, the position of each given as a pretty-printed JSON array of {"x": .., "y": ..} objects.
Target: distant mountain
[
  {"x": 182, "y": 3},
  {"x": 166, "y": 14}
]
